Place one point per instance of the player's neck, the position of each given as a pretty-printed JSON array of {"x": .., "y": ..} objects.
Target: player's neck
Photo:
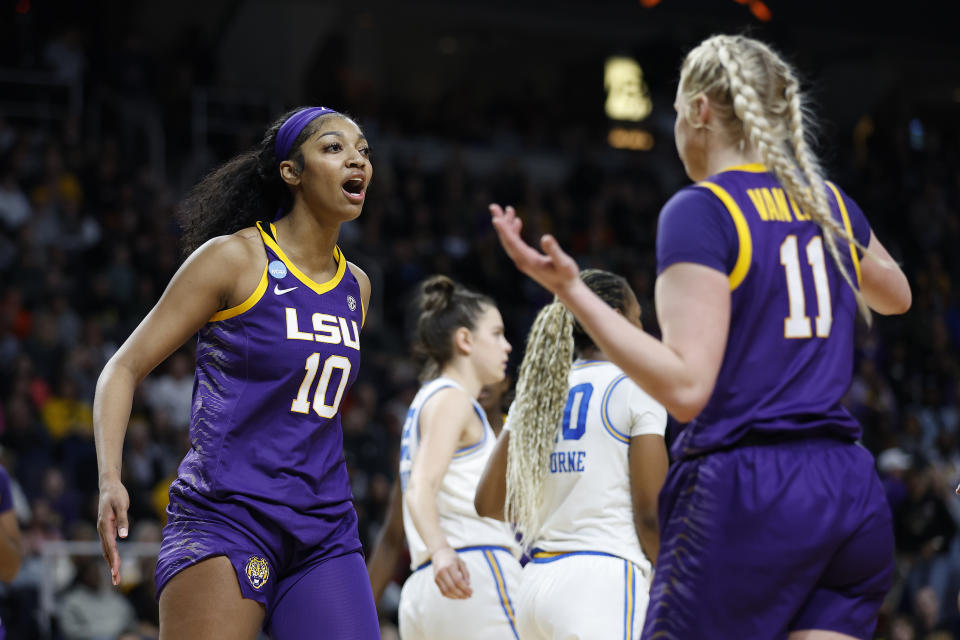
[
  {"x": 720, "y": 157},
  {"x": 460, "y": 370},
  {"x": 308, "y": 242},
  {"x": 592, "y": 353}
]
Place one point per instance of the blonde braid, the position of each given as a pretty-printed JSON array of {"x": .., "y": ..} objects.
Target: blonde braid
[
  {"x": 769, "y": 138},
  {"x": 821, "y": 214},
  {"x": 536, "y": 414}
]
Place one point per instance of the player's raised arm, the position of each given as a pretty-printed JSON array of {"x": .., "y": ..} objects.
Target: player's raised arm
[{"x": 693, "y": 303}]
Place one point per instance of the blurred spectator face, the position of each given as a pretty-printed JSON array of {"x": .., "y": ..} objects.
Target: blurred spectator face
[
  {"x": 45, "y": 328},
  {"x": 901, "y": 629},
  {"x": 492, "y": 395},
  {"x": 946, "y": 444},
  {"x": 146, "y": 531},
  {"x": 138, "y": 435},
  {"x": 81, "y": 531},
  {"x": 379, "y": 490},
  {"x": 180, "y": 366},
  {"x": 918, "y": 481},
  {"x": 927, "y": 607},
  {"x": 53, "y": 483},
  {"x": 88, "y": 573}
]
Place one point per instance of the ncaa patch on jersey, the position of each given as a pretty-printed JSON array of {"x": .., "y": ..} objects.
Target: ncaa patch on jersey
[
  {"x": 258, "y": 571},
  {"x": 277, "y": 269},
  {"x": 352, "y": 303}
]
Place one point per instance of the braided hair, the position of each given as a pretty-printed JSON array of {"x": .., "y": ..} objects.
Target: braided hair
[
  {"x": 541, "y": 395},
  {"x": 756, "y": 96}
]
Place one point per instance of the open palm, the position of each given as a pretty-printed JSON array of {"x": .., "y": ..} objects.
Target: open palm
[{"x": 554, "y": 269}]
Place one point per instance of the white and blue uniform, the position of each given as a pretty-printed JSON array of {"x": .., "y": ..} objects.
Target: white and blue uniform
[
  {"x": 487, "y": 546},
  {"x": 589, "y": 577}
]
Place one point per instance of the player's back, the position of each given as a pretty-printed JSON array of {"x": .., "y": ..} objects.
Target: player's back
[
  {"x": 789, "y": 353},
  {"x": 588, "y": 542},
  {"x": 586, "y": 504}
]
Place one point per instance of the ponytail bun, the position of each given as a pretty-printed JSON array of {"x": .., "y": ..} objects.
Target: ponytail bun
[{"x": 436, "y": 292}]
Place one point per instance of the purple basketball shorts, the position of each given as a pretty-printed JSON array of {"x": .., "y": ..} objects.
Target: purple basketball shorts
[{"x": 764, "y": 539}]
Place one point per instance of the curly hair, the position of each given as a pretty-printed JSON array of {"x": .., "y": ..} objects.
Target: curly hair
[{"x": 245, "y": 189}]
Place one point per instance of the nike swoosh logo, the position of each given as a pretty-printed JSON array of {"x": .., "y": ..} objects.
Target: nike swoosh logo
[{"x": 277, "y": 290}]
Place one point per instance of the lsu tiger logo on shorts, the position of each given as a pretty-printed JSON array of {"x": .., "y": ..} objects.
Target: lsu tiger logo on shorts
[{"x": 258, "y": 571}]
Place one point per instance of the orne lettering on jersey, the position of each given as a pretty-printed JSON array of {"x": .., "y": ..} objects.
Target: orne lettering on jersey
[
  {"x": 327, "y": 328},
  {"x": 567, "y": 461},
  {"x": 772, "y": 205}
]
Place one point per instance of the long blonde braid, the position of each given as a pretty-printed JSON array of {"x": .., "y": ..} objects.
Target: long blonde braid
[
  {"x": 536, "y": 414},
  {"x": 774, "y": 125},
  {"x": 542, "y": 389}
]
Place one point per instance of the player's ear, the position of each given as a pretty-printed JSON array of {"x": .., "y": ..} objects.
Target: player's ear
[
  {"x": 289, "y": 172},
  {"x": 463, "y": 340},
  {"x": 698, "y": 111}
]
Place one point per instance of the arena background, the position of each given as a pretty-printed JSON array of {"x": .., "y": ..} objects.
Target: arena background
[{"x": 110, "y": 111}]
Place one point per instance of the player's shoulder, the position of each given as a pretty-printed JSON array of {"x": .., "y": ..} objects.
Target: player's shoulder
[
  {"x": 448, "y": 402},
  {"x": 622, "y": 386},
  {"x": 363, "y": 280},
  {"x": 593, "y": 371},
  {"x": 233, "y": 250},
  {"x": 693, "y": 198},
  {"x": 447, "y": 394},
  {"x": 601, "y": 376}
]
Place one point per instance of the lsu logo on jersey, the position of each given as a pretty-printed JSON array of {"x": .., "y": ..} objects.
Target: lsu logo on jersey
[
  {"x": 327, "y": 328},
  {"x": 258, "y": 571}
]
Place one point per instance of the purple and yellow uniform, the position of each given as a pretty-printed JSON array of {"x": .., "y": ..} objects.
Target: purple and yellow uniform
[
  {"x": 772, "y": 518},
  {"x": 265, "y": 481}
]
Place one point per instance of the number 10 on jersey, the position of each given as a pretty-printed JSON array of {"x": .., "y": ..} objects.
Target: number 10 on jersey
[{"x": 320, "y": 406}]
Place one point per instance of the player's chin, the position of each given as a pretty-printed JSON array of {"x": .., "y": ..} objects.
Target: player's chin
[{"x": 350, "y": 211}]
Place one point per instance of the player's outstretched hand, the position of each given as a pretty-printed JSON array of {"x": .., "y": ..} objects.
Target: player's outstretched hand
[
  {"x": 553, "y": 269},
  {"x": 111, "y": 522},
  {"x": 451, "y": 574}
]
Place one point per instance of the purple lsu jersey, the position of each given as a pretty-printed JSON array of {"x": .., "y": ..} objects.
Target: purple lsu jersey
[
  {"x": 789, "y": 353},
  {"x": 271, "y": 374}
]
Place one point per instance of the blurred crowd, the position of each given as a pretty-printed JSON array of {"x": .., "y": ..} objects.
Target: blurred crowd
[{"x": 88, "y": 241}]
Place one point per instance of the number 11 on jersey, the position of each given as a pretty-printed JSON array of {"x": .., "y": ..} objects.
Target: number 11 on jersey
[{"x": 797, "y": 324}]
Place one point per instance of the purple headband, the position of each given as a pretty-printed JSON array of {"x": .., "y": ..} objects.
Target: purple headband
[{"x": 292, "y": 127}]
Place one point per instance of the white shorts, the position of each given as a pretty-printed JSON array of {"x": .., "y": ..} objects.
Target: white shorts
[
  {"x": 425, "y": 614},
  {"x": 582, "y": 595}
]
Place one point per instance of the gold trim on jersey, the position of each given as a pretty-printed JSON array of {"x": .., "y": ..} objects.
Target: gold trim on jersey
[
  {"x": 745, "y": 253},
  {"x": 753, "y": 167},
  {"x": 849, "y": 228},
  {"x": 247, "y": 304},
  {"x": 300, "y": 275}
]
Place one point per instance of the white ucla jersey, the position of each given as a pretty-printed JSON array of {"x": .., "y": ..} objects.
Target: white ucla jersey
[
  {"x": 459, "y": 521},
  {"x": 587, "y": 503}
]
